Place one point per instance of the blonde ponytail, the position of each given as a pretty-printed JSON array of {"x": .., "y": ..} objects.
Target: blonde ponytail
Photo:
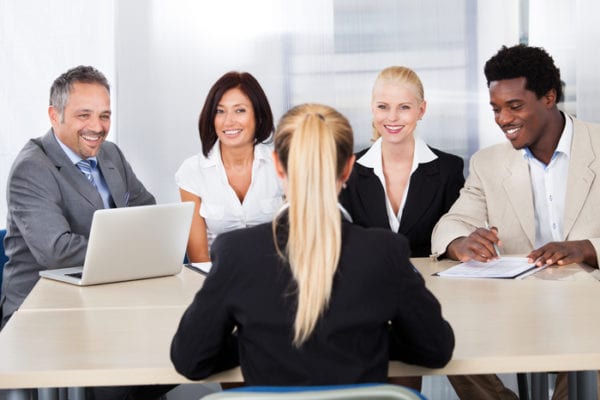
[{"x": 313, "y": 142}]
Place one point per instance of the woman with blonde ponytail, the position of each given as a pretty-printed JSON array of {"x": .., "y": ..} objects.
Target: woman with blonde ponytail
[
  {"x": 311, "y": 299},
  {"x": 314, "y": 220}
]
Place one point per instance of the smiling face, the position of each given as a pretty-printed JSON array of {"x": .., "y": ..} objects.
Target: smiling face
[
  {"x": 235, "y": 123},
  {"x": 396, "y": 109},
  {"x": 85, "y": 121},
  {"x": 521, "y": 115}
]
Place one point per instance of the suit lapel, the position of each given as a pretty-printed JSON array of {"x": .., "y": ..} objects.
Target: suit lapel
[
  {"x": 580, "y": 175},
  {"x": 372, "y": 196},
  {"x": 517, "y": 185},
  {"x": 113, "y": 180},
  {"x": 424, "y": 184},
  {"x": 69, "y": 171}
]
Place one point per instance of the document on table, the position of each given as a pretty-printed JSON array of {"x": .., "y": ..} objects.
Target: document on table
[
  {"x": 503, "y": 267},
  {"x": 202, "y": 267}
]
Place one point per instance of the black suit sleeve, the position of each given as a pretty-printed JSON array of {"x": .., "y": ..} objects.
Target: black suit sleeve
[
  {"x": 418, "y": 333},
  {"x": 455, "y": 182},
  {"x": 205, "y": 343}
]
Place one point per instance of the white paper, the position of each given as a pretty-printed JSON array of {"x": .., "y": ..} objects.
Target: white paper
[
  {"x": 201, "y": 266},
  {"x": 503, "y": 267}
]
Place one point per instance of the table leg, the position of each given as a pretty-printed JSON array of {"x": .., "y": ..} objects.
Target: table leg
[
  {"x": 587, "y": 385},
  {"x": 539, "y": 386},
  {"x": 523, "y": 386},
  {"x": 48, "y": 394},
  {"x": 572, "y": 382},
  {"x": 76, "y": 393},
  {"x": 18, "y": 394}
]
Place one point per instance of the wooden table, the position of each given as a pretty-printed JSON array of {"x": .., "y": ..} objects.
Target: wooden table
[
  {"x": 120, "y": 334},
  {"x": 177, "y": 290},
  {"x": 507, "y": 325}
]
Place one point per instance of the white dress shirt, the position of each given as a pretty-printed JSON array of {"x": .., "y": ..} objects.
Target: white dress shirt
[
  {"x": 549, "y": 187},
  {"x": 221, "y": 208},
  {"x": 373, "y": 159}
]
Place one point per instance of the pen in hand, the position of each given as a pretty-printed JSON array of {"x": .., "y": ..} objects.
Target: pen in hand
[{"x": 487, "y": 226}]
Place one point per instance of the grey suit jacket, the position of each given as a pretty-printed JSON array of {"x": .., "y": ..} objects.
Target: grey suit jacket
[
  {"x": 498, "y": 190},
  {"x": 50, "y": 208}
]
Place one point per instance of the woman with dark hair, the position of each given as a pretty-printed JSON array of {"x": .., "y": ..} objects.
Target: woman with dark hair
[{"x": 233, "y": 181}]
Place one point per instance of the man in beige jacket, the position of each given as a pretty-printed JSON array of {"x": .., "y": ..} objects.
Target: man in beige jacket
[{"x": 539, "y": 192}]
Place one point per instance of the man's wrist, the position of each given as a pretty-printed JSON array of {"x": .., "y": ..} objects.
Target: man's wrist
[
  {"x": 451, "y": 249},
  {"x": 590, "y": 256}
]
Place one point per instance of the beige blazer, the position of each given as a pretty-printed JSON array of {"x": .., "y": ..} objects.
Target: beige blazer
[{"x": 498, "y": 190}]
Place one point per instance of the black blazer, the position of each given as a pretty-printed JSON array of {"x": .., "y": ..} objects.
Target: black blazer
[
  {"x": 434, "y": 187},
  {"x": 379, "y": 310}
]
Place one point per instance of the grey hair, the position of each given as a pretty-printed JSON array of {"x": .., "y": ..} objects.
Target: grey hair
[{"x": 62, "y": 86}]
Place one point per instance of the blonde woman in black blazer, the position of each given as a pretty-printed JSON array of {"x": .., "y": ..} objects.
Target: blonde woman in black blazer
[{"x": 400, "y": 183}]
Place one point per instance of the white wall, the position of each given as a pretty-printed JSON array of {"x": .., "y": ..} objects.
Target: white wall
[
  {"x": 168, "y": 54},
  {"x": 492, "y": 35},
  {"x": 560, "y": 43},
  {"x": 587, "y": 60},
  {"x": 161, "y": 58},
  {"x": 39, "y": 40}
]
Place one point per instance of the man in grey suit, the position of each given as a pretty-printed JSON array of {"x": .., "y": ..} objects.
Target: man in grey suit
[
  {"x": 50, "y": 199},
  {"x": 52, "y": 196},
  {"x": 539, "y": 191}
]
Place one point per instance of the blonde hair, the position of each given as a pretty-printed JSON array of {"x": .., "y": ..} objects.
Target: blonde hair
[
  {"x": 399, "y": 75},
  {"x": 313, "y": 143}
]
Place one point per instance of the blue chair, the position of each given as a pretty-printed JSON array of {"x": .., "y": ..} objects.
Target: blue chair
[
  {"x": 3, "y": 258},
  {"x": 341, "y": 392}
]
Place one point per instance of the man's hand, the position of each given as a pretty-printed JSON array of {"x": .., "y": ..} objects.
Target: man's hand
[
  {"x": 479, "y": 246},
  {"x": 563, "y": 253}
]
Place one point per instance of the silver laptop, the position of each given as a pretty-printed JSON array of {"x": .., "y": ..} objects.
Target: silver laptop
[{"x": 132, "y": 243}]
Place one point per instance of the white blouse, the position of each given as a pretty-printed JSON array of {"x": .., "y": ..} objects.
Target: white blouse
[{"x": 221, "y": 208}]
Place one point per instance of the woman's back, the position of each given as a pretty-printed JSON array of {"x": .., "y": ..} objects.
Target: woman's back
[
  {"x": 309, "y": 299},
  {"x": 250, "y": 287}
]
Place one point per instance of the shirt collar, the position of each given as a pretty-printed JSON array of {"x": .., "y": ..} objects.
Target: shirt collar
[
  {"x": 564, "y": 143},
  {"x": 74, "y": 157},
  {"x": 423, "y": 153},
  {"x": 262, "y": 152},
  {"x": 372, "y": 158}
]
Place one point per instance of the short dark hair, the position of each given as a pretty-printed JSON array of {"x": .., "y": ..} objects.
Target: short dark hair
[
  {"x": 251, "y": 88},
  {"x": 532, "y": 63},
  {"x": 62, "y": 86}
]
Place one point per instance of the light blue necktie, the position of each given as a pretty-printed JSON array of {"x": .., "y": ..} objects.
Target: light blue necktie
[{"x": 86, "y": 166}]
